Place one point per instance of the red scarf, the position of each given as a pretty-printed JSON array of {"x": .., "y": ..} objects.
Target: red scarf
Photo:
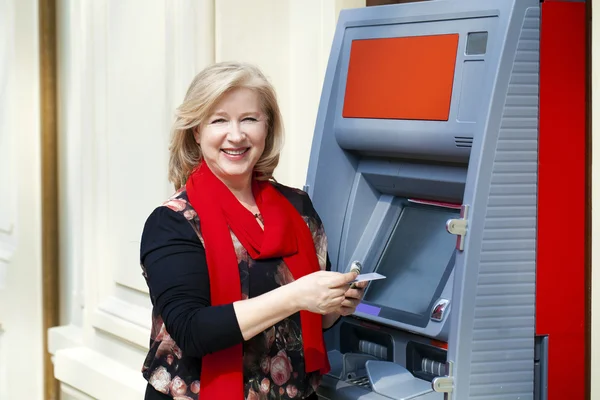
[{"x": 285, "y": 235}]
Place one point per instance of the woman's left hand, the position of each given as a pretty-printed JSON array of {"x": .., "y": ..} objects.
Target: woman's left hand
[{"x": 353, "y": 298}]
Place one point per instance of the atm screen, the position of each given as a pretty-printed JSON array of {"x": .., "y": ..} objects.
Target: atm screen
[
  {"x": 401, "y": 77},
  {"x": 416, "y": 261}
]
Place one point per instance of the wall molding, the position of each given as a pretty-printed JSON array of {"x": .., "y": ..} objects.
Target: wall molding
[
  {"x": 125, "y": 320},
  {"x": 190, "y": 45},
  {"x": 4, "y": 261},
  {"x": 97, "y": 375},
  {"x": 8, "y": 179},
  {"x": 6, "y": 252},
  {"x": 3, "y": 367},
  {"x": 70, "y": 393},
  {"x": 84, "y": 372},
  {"x": 64, "y": 337},
  {"x": 75, "y": 117}
]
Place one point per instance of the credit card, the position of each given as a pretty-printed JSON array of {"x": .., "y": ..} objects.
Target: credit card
[{"x": 372, "y": 276}]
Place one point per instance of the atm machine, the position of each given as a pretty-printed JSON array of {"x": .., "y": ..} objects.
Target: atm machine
[{"x": 424, "y": 168}]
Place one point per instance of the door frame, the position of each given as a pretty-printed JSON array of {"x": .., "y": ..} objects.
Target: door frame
[{"x": 49, "y": 184}]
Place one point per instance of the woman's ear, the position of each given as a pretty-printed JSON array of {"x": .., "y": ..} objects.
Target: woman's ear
[{"x": 196, "y": 131}]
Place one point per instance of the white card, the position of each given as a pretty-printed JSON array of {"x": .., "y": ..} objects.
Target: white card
[{"x": 373, "y": 276}]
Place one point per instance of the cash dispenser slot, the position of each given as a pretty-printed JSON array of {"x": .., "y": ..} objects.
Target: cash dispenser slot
[
  {"x": 358, "y": 345},
  {"x": 357, "y": 338},
  {"x": 425, "y": 361},
  {"x": 371, "y": 359},
  {"x": 382, "y": 363}
]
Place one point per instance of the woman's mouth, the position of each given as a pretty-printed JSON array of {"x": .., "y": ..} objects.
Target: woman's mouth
[{"x": 236, "y": 152}]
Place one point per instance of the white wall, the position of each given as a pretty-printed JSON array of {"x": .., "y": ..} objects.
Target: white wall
[
  {"x": 20, "y": 220},
  {"x": 290, "y": 40},
  {"x": 123, "y": 68}
]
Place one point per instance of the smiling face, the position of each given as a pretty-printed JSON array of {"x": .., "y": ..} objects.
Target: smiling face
[{"x": 232, "y": 137}]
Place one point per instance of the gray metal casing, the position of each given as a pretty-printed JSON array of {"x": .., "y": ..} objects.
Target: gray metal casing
[{"x": 358, "y": 167}]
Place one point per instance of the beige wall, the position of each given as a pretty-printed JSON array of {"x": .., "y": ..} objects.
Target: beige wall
[
  {"x": 301, "y": 32},
  {"x": 20, "y": 220},
  {"x": 123, "y": 68}
]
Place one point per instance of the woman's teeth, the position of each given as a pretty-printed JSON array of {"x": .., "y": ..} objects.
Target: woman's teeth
[{"x": 234, "y": 152}]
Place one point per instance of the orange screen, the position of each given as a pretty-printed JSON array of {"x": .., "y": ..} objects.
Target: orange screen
[{"x": 401, "y": 78}]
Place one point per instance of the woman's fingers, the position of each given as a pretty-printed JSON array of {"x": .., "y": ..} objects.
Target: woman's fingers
[
  {"x": 350, "y": 302},
  {"x": 342, "y": 280},
  {"x": 345, "y": 311},
  {"x": 334, "y": 293},
  {"x": 362, "y": 285},
  {"x": 332, "y": 290},
  {"x": 338, "y": 300},
  {"x": 334, "y": 303},
  {"x": 354, "y": 294}
]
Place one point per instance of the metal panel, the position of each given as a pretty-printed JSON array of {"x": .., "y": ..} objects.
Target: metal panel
[{"x": 492, "y": 340}]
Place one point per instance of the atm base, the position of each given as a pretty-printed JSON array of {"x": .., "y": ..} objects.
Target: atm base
[{"x": 360, "y": 389}]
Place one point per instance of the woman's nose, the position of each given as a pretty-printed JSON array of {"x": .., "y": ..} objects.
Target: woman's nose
[{"x": 235, "y": 133}]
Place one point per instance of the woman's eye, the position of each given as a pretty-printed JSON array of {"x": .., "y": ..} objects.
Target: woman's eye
[
  {"x": 218, "y": 121},
  {"x": 250, "y": 119}
]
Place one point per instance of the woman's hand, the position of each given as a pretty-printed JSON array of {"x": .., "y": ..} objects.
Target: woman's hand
[
  {"x": 352, "y": 299},
  {"x": 322, "y": 292}
]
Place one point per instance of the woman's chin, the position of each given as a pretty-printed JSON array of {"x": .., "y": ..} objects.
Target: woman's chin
[
  {"x": 236, "y": 174},
  {"x": 232, "y": 172}
]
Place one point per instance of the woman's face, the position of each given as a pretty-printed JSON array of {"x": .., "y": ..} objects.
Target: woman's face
[{"x": 232, "y": 138}]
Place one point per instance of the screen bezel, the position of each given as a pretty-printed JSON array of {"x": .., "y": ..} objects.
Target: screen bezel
[{"x": 376, "y": 253}]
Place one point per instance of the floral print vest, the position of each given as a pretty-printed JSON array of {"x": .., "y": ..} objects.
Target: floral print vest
[{"x": 273, "y": 360}]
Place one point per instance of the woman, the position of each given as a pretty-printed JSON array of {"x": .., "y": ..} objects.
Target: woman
[{"x": 236, "y": 263}]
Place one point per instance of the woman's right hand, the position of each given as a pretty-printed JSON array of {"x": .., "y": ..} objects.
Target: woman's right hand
[{"x": 322, "y": 292}]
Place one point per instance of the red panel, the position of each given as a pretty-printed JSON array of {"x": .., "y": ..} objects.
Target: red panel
[
  {"x": 401, "y": 78},
  {"x": 560, "y": 309}
]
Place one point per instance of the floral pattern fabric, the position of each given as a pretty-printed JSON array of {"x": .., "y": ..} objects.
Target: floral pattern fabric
[{"x": 273, "y": 360}]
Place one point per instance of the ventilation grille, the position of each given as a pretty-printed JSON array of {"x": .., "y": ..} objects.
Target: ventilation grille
[
  {"x": 503, "y": 310},
  {"x": 464, "y": 142}
]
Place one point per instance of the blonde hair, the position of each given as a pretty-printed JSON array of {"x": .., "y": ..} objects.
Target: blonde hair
[{"x": 205, "y": 91}]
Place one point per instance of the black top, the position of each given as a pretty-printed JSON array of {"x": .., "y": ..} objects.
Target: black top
[{"x": 186, "y": 326}]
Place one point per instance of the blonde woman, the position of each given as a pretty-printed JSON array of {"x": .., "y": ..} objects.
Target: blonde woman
[{"x": 236, "y": 263}]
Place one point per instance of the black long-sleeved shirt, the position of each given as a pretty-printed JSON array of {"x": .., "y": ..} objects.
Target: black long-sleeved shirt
[
  {"x": 177, "y": 276},
  {"x": 186, "y": 326}
]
